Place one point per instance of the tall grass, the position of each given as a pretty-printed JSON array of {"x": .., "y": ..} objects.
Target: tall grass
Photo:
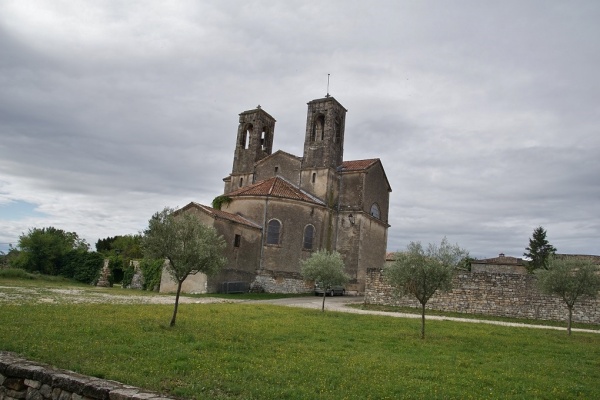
[{"x": 237, "y": 351}]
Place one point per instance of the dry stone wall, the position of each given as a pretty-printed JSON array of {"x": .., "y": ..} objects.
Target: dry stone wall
[
  {"x": 281, "y": 282},
  {"x": 498, "y": 294},
  {"x": 21, "y": 379}
]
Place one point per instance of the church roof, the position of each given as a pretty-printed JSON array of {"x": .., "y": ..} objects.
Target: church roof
[
  {"x": 358, "y": 165},
  {"x": 213, "y": 212},
  {"x": 276, "y": 187},
  {"x": 278, "y": 153},
  {"x": 363, "y": 165}
]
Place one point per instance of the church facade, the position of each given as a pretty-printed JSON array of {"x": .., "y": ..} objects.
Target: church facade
[{"x": 278, "y": 208}]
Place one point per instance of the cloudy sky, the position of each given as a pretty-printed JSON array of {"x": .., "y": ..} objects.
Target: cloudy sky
[{"x": 486, "y": 115}]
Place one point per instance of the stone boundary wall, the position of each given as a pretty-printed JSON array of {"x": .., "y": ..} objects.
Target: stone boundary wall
[
  {"x": 21, "y": 379},
  {"x": 498, "y": 294},
  {"x": 273, "y": 282}
]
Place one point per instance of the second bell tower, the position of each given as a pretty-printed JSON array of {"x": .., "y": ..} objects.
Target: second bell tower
[{"x": 254, "y": 142}]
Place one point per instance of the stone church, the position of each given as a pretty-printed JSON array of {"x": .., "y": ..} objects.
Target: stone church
[{"x": 278, "y": 208}]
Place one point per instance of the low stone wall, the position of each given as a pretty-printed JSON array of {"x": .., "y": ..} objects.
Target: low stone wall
[
  {"x": 23, "y": 379},
  {"x": 274, "y": 282},
  {"x": 498, "y": 294}
]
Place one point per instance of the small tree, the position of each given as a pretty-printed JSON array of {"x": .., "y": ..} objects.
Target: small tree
[
  {"x": 422, "y": 272},
  {"x": 539, "y": 250},
  {"x": 326, "y": 268},
  {"x": 187, "y": 245},
  {"x": 570, "y": 278}
]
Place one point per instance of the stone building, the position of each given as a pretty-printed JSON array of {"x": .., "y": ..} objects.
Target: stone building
[
  {"x": 501, "y": 264},
  {"x": 279, "y": 208}
]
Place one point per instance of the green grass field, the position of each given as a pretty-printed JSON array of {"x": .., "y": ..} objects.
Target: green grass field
[{"x": 242, "y": 351}]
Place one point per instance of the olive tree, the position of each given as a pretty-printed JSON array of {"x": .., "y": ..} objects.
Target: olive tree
[
  {"x": 570, "y": 278},
  {"x": 185, "y": 243},
  {"x": 324, "y": 267},
  {"x": 421, "y": 272}
]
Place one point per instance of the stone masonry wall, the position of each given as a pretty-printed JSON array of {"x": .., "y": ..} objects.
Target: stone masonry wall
[
  {"x": 499, "y": 294},
  {"x": 280, "y": 283},
  {"x": 21, "y": 379}
]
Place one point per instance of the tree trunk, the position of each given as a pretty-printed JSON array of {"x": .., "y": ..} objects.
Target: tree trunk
[
  {"x": 179, "y": 283},
  {"x": 423, "y": 321},
  {"x": 323, "y": 305},
  {"x": 570, "y": 319}
]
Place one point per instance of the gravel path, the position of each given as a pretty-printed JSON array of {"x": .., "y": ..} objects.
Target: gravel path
[{"x": 31, "y": 295}]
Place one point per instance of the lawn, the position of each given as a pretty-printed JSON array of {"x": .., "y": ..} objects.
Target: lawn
[{"x": 242, "y": 351}]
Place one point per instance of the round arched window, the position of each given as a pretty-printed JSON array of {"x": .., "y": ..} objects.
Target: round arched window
[
  {"x": 274, "y": 232},
  {"x": 375, "y": 211}
]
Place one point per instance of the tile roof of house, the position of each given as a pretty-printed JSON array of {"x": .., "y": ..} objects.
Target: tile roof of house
[
  {"x": 502, "y": 260},
  {"x": 358, "y": 165},
  {"x": 222, "y": 214},
  {"x": 276, "y": 187}
]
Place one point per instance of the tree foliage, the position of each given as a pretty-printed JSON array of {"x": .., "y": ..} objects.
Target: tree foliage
[
  {"x": 82, "y": 266},
  {"x": 127, "y": 246},
  {"x": 43, "y": 250},
  {"x": 539, "y": 250},
  {"x": 219, "y": 201},
  {"x": 569, "y": 278},
  {"x": 324, "y": 267},
  {"x": 421, "y": 272},
  {"x": 188, "y": 246}
]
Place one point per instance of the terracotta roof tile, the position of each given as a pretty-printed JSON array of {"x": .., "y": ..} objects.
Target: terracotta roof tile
[
  {"x": 223, "y": 215},
  {"x": 358, "y": 165},
  {"x": 276, "y": 187}
]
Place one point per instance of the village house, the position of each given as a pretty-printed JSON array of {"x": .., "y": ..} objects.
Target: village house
[{"x": 278, "y": 208}]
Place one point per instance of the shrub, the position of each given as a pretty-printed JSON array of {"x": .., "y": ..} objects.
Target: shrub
[
  {"x": 82, "y": 266},
  {"x": 152, "y": 270},
  {"x": 15, "y": 273}
]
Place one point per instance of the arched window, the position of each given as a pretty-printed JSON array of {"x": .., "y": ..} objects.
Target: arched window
[
  {"x": 375, "y": 211},
  {"x": 309, "y": 234},
  {"x": 241, "y": 182},
  {"x": 274, "y": 232},
  {"x": 264, "y": 139},
  {"x": 245, "y": 137},
  {"x": 318, "y": 130}
]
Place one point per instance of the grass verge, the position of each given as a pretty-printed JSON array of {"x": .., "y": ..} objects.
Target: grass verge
[
  {"x": 417, "y": 311},
  {"x": 241, "y": 351}
]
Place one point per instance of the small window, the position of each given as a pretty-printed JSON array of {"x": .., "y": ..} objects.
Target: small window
[
  {"x": 375, "y": 211},
  {"x": 309, "y": 233},
  {"x": 276, "y": 169},
  {"x": 241, "y": 182},
  {"x": 314, "y": 177},
  {"x": 237, "y": 240},
  {"x": 274, "y": 232}
]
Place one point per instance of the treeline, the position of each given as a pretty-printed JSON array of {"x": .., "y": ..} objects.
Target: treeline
[{"x": 52, "y": 251}]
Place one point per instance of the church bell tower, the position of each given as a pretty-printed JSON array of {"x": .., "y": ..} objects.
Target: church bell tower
[
  {"x": 254, "y": 142},
  {"x": 324, "y": 139}
]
